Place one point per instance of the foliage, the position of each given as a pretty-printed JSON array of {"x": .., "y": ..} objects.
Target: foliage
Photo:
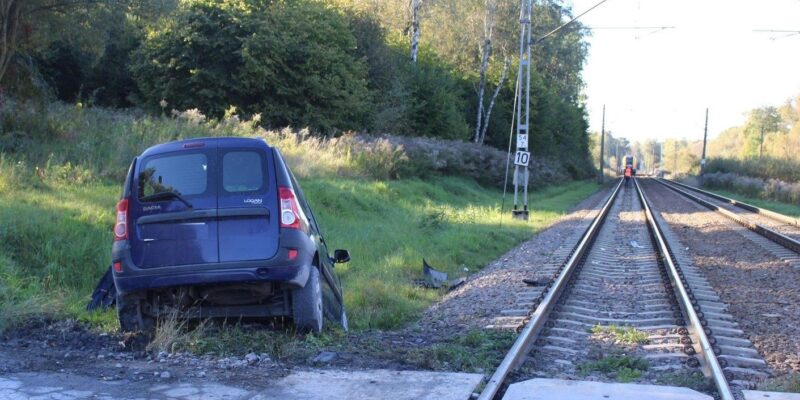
[
  {"x": 622, "y": 334},
  {"x": 291, "y": 62},
  {"x": 623, "y": 368},
  {"x": 476, "y": 351},
  {"x": 766, "y": 189},
  {"x": 330, "y": 65}
]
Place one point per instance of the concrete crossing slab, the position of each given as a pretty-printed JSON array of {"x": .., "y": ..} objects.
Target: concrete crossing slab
[
  {"x": 305, "y": 385},
  {"x": 759, "y": 395},
  {"x": 541, "y": 389}
]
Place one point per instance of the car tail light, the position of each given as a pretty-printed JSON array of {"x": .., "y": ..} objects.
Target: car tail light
[
  {"x": 117, "y": 266},
  {"x": 292, "y": 254},
  {"x": 291, "y": 215},
  {"x": 121, "y": 226}
]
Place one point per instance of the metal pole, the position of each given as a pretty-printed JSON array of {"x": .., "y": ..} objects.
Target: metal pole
[
  {"x": 703, "y": 158},
  {"x": 602, "y": 145},
  {"x": 521, "y": 173}
]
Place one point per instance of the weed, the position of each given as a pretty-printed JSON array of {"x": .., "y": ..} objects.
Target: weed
[
  {"x": 694, "y": 380},
  {"x": 475, "y": 351},
  {"x": 786, "y": 383},
  {"x": 623, "y": 368},
  {"x": 621, "y": 334}
]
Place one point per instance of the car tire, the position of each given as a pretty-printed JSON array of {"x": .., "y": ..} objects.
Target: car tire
[
  {"x": 307, "y": 304},
  {"x": 131, "y": 317}
]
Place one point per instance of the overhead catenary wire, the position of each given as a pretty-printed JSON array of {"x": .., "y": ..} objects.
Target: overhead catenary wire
[{"x": 564, "y": 25}]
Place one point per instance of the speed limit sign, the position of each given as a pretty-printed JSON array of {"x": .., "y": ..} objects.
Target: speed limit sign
[{"x": 522, "y": 158}]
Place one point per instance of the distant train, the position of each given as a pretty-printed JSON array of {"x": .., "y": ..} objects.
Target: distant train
[{"x": 630, "y": 171}]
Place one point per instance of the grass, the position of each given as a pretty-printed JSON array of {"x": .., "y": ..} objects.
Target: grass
[
  {"x": 476, "y": 351},
  {"x": 623, "y": 368},
  {"x": 621, "y": 334},
  {"x": 55, "y": 236},
  {"x": 787, "y": 383},
  {"x": 789, "y": 209},
  {"x": 60, "y": 173}
]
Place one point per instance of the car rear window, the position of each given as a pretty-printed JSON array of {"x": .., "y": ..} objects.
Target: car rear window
[
  {"x": 186, "y": 174},
  {"x": 242, "y": 171}
]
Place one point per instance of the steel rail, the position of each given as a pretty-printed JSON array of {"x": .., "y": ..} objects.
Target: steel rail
[
  {"x": 749, "y": 207},
  {"x": 533, "y": 327},
  {"x": 685, "y": 302},
  {"x": 768, "y": 233}
]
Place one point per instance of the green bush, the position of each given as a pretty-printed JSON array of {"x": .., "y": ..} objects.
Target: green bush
[
  {"x": 292, "y": 62},
  {"x": 765, "y": 168}
]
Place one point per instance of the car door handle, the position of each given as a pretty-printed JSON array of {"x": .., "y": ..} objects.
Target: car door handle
[
  {"x": 243, "y": 212},
  {"x": 176, "y": 216}
]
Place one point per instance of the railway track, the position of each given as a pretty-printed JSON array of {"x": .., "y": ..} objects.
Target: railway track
[
  {"x": 778, "y": 228},
  {"x": 625, "y": 298}
]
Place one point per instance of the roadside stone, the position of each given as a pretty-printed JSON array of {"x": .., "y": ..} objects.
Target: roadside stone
[
  {"x": 165, "y": 375},
  {"x": 251, "y": 358},
  {"x": 324, "y": 357}
]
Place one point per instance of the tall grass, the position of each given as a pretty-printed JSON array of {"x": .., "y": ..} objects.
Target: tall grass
[
  {"x": 104, "y": 141},
  {"x": 757, "y": 188},
  {"x": 61, "y": 168},
  {"x": 765, "y": 168}
]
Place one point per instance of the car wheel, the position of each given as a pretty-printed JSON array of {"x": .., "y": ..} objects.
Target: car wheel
[
  {"x": 307, "y": 304},
  {"x": 131, "y": 317}
]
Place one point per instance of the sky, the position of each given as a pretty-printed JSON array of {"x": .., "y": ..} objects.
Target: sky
[{"x": 657, "y": 84}]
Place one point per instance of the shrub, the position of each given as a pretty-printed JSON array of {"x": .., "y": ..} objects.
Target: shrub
[
  {"x": 73, "y": 142},
  {"x": 770, "y": 189},
  {"x": 291, "y": 61}
]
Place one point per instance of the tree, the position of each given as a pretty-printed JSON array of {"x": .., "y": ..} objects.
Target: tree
[
  {"x": 484, "y": 114},
  {"x": 415, "y": 9},
  {"x": 293, "y": 62},
  {"x": 10, "y": 13}
]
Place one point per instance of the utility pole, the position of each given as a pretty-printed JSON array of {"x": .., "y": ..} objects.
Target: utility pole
[
  {"x": 523, "y": 155},
  {"x": 675, "y": 158},
  {"x": 703, "y": 158},
  {"x": 603, "y": 146}
]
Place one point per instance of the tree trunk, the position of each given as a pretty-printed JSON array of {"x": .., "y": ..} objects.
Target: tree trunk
[
  {"x": 9, "y": 17},
  {"x": 415, "y": 5},
  {"x": 486, "y": 53},
  {"x": 494, "y": 97}
]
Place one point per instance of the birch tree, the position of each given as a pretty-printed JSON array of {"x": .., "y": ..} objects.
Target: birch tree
[
  {"x": 484, "y": 113},
  {"x": 415, "y": 8}
]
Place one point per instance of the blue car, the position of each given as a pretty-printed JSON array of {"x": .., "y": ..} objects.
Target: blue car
[{"x": 219, "y": 227}]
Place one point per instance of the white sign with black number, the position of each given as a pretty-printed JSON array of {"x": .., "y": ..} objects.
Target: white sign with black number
[
  {"x": 522, "y": 158},
  {"x": 522, "y": 141}
]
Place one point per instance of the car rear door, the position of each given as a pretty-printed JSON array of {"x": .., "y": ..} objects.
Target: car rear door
[
  {"x": 168, "y": 232},
  {"x": 247, "y": 198}
]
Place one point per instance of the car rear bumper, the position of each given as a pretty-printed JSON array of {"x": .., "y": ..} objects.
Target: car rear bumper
[{"x": 293, "y": 273}]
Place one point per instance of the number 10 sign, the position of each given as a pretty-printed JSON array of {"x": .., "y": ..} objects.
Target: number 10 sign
[{"x": 522, "y": 158}]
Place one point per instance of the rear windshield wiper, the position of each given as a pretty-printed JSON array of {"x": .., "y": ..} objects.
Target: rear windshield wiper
[{"x": 166, "y": 195}]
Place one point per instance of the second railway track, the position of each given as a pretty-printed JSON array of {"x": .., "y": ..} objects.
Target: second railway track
[
  {"x": 622, "y": 300},
  {"x": 779, "y": 228}
]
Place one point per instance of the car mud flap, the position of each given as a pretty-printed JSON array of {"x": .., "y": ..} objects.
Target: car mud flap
[{"x": 105, "y": 294}]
